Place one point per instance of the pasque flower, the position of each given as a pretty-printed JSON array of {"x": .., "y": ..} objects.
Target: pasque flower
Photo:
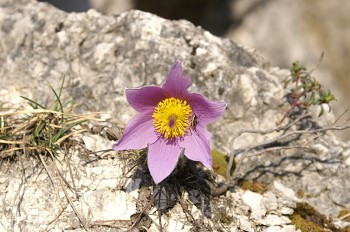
[{"x": 170, "y": 122}]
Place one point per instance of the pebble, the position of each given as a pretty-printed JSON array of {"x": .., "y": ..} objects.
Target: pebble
[
  {"x": 254, "y": 201},
  {"x": 274, "y": 220}
]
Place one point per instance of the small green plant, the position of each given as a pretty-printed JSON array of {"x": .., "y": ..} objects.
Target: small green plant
[
  {"x": 39, "y": 129},
  {"x": 306, "y": 91}
]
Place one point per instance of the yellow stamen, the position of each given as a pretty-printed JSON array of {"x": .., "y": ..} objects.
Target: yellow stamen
[{"x": 172, "y": 117}]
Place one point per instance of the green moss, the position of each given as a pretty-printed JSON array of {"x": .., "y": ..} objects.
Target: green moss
[
  {"x": 306, "y": 218},
  {"x": 305, "y": 225},
  {"x": 309, "y": 195},
  {"x": 302, "y": 194},
  {"x": 345, "y": 229},
  {"x": 253, "y": 186},
  {"x": 220, "y": 162},
  {"x": 343, "y": 213}
]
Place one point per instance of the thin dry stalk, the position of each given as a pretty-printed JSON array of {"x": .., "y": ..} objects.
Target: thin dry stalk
[
  {"x": 344, "y": 216},
  {"x": 73, "y": 207},
  {"x": 231, "y": 181},
  {"x": 38, "y": 129}
]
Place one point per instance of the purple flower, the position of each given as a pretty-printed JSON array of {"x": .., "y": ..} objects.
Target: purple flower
[{"x": 171, "y": 121}]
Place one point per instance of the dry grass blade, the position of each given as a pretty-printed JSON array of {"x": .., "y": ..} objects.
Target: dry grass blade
[
  {"x": 42, "y": 132},
  {"x": 91, "y": 116},
  {"x": 344, "y": 216},
  {"x": 59, "y": 141},
  {"x": 11, "y": 142},
  {"x": 38, "y": 129}
]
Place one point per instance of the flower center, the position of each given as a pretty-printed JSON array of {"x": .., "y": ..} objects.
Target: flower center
[{"x": 171, "y": 117}]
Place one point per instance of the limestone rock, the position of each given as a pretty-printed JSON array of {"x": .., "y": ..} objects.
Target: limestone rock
[
  {"x": 100, "y": 56},
  {"x": 300, "y": 30}
]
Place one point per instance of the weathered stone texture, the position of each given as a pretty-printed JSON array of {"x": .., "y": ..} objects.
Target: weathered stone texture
[{"x": 100, "y": 56}]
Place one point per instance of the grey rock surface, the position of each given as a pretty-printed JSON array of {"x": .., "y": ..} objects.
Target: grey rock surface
[
  {"x": 286, "y": 31},
  {"x": 283, "y": 31},
  {"x": 100, "y": 56}
]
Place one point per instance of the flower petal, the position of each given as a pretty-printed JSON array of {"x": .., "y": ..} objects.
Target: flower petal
[
  {"x": 162, "y": 158},
  {"x": 197, "y": 146},
  {"x": 207, "y": 111},
  {"x": 139, "y": 132},
  {"x": 143, "y": 98},
  {"x": 176, "y": 83}
]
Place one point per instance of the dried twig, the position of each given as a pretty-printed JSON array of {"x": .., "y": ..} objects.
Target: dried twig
[
  {"x": 58, "y": 215},
  {"x": 139, "y": 217},
  {"x": 71, "y": 174},
  {"x": 231, "y": 181},
  {"x": 262, "y": 132},
  {"x": 73, "y": 207},
  {"x": 344, "y": 216},
  {"x": 61, "y": 179}
]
